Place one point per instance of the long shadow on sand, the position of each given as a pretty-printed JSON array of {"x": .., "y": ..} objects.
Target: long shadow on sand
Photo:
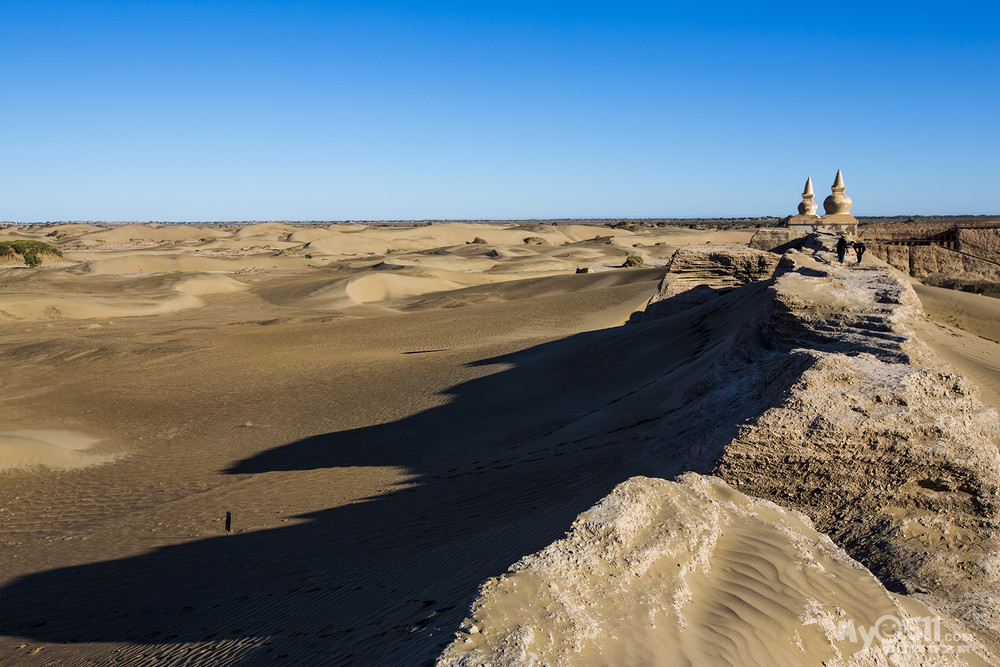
[{"x": 500, "y": 471}]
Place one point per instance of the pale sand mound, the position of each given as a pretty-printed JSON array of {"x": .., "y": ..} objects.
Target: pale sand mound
[
  {"x": 136, "y": 263},
  {"x": 203, "y": 285},
  {"x": 83, "y": 306},
  {"x": 27, "y": 448},
  {"x": 264, "y": 229},
  {"x": 355, "y": 239},
  {"x": 131, "y": 234},
  {"x": 389, "y": 284},
  {"x": 692, "y": 572},
  {"x": 384, "y": 286},
  {"x": 392, "y": 282},
  {"x": 448, "y": 262},
  {"x": 60, "y": 232},
  {"x": 309, "y": 234},
  {"x": 132, "y": 302}
]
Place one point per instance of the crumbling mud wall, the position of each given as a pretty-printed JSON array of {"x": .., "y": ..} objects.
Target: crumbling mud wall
[
  {"x": 932, "y": 261},
  {"x": 697, "y": 274},
  {"x": 974, "y": 268},
  {"x": 903, "y": 230}
]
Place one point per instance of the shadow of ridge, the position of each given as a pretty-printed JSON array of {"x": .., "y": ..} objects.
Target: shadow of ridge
[
  {"x": 545, "y": 387},
  {"x": 388, "y": 579}
]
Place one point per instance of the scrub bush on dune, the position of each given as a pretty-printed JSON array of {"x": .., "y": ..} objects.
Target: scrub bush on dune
[
  {"x": 633, "y": 260},
  {"x": 30, "y": 251}
]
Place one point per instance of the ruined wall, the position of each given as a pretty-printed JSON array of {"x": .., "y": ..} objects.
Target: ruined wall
[
  {"x": 982, "y": 242},
  {"x": 931, "y": 260},
  {"x": 902, "y": 231},
  {"x": 697, "y": 274}
]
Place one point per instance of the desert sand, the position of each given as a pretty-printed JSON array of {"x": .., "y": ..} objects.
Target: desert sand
[{"x": 394, "y": 416}]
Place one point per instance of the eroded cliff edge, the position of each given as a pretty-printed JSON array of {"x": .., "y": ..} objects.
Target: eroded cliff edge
[
  {"x": 844, "y": 415},
  {"x": 891, "y": 454}
]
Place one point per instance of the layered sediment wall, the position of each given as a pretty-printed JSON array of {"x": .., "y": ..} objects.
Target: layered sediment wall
[
  {"x": 826, "y": 404},
  {"x": 697, "y": 274},
  {"x": 969, "y": 260},
  {"x": 938, "y": 263}
]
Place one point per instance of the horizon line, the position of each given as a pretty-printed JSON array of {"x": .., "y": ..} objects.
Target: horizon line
[{"x": 474, "y": 220}]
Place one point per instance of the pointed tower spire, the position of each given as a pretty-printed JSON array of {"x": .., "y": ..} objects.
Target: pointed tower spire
[
  {"x": 807, "y": 206},
  {"x": 838, "y": 183}
]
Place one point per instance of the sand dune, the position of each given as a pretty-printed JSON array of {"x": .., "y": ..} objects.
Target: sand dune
[
  {"x": 30, "y": 447},
  {"x": 268, "y": 229},
  {"x": 209, "y": 285},
  {"x": 964, "y": 330},
  {"x": 181, "y": 295},
  {"x": 140, "y": 234},
  {"x": 35, "y": 307}
]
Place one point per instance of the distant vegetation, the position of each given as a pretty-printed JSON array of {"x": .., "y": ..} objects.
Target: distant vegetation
[
  {"x": 31, "y": 252},
  {"x": 626, "y": 225},
  {"x": 633, "y": 260}
]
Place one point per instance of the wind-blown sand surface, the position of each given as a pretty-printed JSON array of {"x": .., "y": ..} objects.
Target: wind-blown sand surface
[
  {"x": 391, "y": 422},
  {"x": 964, "y": 330}
]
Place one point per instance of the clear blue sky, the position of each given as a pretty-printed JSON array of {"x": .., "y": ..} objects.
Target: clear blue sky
[{"x": 395, "y": 110}]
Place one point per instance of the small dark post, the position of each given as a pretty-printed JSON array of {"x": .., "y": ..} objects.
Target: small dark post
[{"x": 229, "y": 521}]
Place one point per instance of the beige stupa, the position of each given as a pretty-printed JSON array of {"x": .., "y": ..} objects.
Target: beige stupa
[
  {"x": 838, "y": 216},
  {"x": 807, "y": 219}
]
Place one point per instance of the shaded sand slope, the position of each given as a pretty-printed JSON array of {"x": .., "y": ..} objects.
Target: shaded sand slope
[
  {"x": 693, "y": 573},
  {"x": 964, "y": 330},
  {"x": 405, "y": 483},
  {"x": 976, "y": 314}
]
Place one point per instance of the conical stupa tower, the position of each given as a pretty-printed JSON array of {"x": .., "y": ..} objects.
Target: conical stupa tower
[
  {"x": 807, "y": 219},
  {"x": 807, "y": 206},
  {"x": 838, "y": 202},
  {"x": 838, "y": 216}
]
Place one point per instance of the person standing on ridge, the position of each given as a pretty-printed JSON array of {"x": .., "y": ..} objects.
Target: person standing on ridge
[
  {"x": 859, "y": 248},
  {"x": 841, "y": 248}
]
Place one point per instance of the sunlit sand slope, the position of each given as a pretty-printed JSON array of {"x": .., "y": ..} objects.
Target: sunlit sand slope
[{"x": 692, "y": 573}]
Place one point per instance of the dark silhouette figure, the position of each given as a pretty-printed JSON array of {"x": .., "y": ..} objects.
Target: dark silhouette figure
[
  {"x": 841, "y": 249},
  {"x": 859, "y": 248}
]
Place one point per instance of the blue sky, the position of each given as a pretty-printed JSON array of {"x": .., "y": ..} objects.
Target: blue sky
[{"x": 395, "y": 110}]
